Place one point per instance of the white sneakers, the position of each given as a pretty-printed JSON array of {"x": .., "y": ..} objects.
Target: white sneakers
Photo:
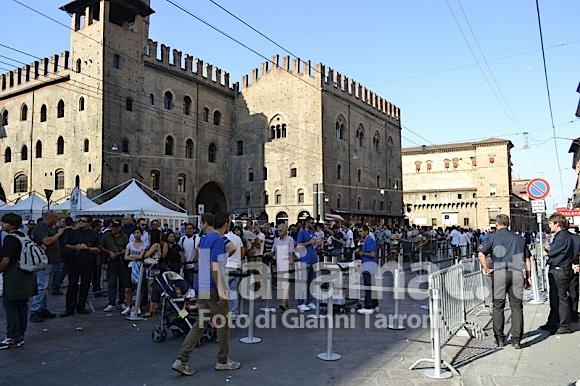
[
  {"x": 367, "y": 311},
  {"x": 110, "y": 308},
  {"x": 126, "y": 311},
  {"x": 311, "y": 306},
  {"x": 303, "y": 307}
]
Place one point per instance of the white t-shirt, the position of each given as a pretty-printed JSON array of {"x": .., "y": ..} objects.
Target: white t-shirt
[
  {"x": 189, "y": 245},
  {"x": 235, "y": 260}
]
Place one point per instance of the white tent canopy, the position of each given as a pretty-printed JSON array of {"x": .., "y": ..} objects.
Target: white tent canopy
[
  {"x": 133, "y": 200},
  {"x": 84, "y": 203},
  {"x": 29, "y": 208}
]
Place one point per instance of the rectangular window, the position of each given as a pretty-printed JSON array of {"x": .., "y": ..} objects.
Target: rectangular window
[
  {"x": 459, "y": 196},
  {"x": 240, "y": 147},
  {"x": 301, "y": 197},
  {"x": 125, "y": 168},
  {"x": 293, "y": 172},
  {"x": 433, "y": 221},
  {"x": 466, "y": 221}
]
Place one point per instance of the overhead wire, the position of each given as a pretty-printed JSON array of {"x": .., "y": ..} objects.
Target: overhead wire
[{"x": 549, "y": 98}]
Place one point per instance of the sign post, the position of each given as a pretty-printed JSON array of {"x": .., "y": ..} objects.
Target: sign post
[{"x": 538, "y": 189}]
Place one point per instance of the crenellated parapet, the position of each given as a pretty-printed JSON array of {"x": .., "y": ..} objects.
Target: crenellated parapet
[
  {"x": 326, "y": 78},
  {"x": 340, "y": 83},
  {"x": 40, "y": 71},
  {"x": 187, "y": 65}
]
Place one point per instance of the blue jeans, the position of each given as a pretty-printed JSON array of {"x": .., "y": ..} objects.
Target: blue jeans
[
  {"x": 43, "y": 278},
  {"x": 233, "y": 282},
  {"x": 310, "y": 276},
  {"x": 16, "y": 317},
  {"x": 60, "y": 271}
]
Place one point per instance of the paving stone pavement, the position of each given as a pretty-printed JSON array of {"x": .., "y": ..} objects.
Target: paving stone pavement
[{"x": 105, "y": 349}]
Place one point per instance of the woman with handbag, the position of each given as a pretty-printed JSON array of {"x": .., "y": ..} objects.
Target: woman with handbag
[{"x": 171, "y": 259}]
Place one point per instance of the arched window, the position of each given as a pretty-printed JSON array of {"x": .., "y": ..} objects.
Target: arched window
[
  {"x": 359, "y": 175},
  {"x": 154, "y": 179},
  {"x": 359, "y": 203},
  {"x": 169, "y": 145},
  {"x": 60, "y": 109},
  {"x": 24, "y": 153},
  {"x": 59, "y": 180},
  {"x": 81, "y": 104},
  {"x": 60, "y": 145},
  {"x": 117, "y": 61},
  {"x": 278, "y": 197},
  {"x": 278, "y": 127},
  {"x": 293, "y": 171},
  {"x": 39, "y": 149},
  {"x": 360, "y": 134},
  {"x": 24, "y": 113},
  {"x": 151, "y": 99},
  {"x": 266, "y": 198},
  {"x": 125, "y": 146},
  {"x": 390, "y": 146},
  {"x": 340, "y": 125},
  {"x": 338, "y": 200},
  {"x": 338, "y": 172},
  {"x": 168, "y": 100},
  {"x": 212, "y": 153},
  {"x": 20, "y": 183},
  {"x": 79, "y": 65},
  {"x": 376, "y": 142},
  {"x": 250, "y": 174},
  {"x": 187, "y": 105},
  {"x": 7, "y": 155},
  {"x": 129, "y": 104},
  {"x": 248, "y": 198},
  {"x": 77, "y": 181},
  {"x": 86, "y": 145},
  {"x": 217, "y": 117},
  {"x": 205, "y": 114},
  {"x": 43, "y": 113},
  {"x": 300, "y": 196},
  {"x": 4, "y": 118},
  {"x": 181, "y": 182},
  {"x": 189, "y": 149}
]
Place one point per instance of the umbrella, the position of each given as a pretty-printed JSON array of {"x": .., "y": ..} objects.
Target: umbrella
[{"x": 333, "y": 217}]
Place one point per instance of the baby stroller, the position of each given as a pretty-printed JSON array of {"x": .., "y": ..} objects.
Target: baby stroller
[{"x": 178, "y": 308}]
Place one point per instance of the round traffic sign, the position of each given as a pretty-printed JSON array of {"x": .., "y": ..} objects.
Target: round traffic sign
[{"x": 538, "y": 188}]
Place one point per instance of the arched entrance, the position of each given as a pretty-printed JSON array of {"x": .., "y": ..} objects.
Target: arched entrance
[
  {"x": 282, "y": 217},
  {"x": 212, "y": 197},
  {"x": 302, "y": 215}
]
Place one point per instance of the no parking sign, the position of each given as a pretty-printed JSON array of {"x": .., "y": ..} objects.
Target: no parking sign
[{"x": 538, "y": 188}]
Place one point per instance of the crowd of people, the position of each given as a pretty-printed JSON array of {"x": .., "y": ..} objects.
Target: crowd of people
[{"x": 210, "y": 256}]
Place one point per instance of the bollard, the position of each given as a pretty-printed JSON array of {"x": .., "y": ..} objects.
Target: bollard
[
  {"x": 329, "y": 355},
  {"x": 251, "y": 339},
  {"x": 435, "y": 322},
  {"x": 268, "y": 291},
  {"x": 134, "y": 315},
  {"x": 395, "y": 323}
]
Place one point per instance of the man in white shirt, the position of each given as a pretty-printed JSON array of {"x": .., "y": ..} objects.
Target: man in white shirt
[
  {"x": 283, "y": 249},
  {"x": 189, "y": 244},
  {"x": 234, "y": 269}
]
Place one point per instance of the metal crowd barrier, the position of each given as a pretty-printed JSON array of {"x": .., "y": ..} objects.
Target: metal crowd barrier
[
  {"x": 454, "y": 293},
  {"x": 477, "y": 294}
]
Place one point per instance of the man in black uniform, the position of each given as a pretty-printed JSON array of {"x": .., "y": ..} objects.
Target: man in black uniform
[
  {"x": 83, "y": 245},
  {"x": 574, "y": 280},
  {"x": 560, "y": 257},
  {"x": 508, "y": 253}
]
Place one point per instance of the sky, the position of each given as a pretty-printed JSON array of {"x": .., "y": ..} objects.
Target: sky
[{"x": 459, "y": 70}]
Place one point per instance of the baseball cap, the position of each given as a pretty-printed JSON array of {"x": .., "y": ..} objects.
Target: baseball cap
[{"x": 116, "y": 223}]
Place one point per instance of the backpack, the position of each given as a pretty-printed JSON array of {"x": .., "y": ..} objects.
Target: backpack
[{"x": 32, "y": 257}]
